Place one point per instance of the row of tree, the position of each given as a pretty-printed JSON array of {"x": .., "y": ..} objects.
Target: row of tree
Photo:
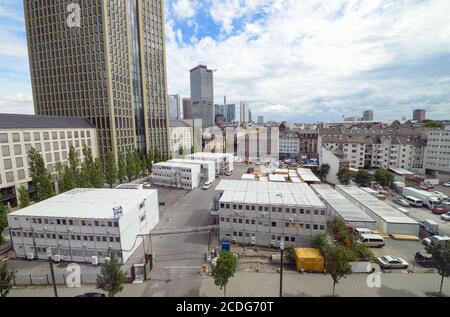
[{"x": 363, "y": 177}]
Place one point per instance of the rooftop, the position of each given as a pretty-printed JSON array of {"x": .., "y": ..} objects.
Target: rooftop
[
  {"x": 88, "y": 203},
  {"x": 307, "y": 175},
  {"x": 178, "y": 124},
  {"x": 24, "y": 121},
  {"x": 401, "y": 171}
]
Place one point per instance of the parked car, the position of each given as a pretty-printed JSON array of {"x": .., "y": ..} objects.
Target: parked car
[
  {"x": 446, "y": 216},
  {"x": 446, "y": 184},
  {"x": 430, "y": 226},
  {"x": 207, "y": 185},
  {"x": 147, "y": 185},
  {"x": 391, "y": 262},
  {"x": 438, "y": 211},
  {"x": 228, "y": 173},
  {"x": 403, "y": 211},
  {"x": 441, "y": 196},
  {"x": 401, "y": 202},
  {"x": 436, "y": 239},
  {"x": 92, "y": 295},
  {"x": 424, "y": 259}
]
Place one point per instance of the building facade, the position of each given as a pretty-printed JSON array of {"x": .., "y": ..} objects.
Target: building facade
[
  {"x": 50, "y": 136},
  {"x": 230, "y": 113},
  {"x": 260, "y": 119},
  {"x": 419, "y": 115},
  {"x": 289, "y": 146},
  {"x": 175, "y": 108},
  {"x": 181, "y": 136},
  {"x": 437, "y": 157},
  {"x": 245, "y": 112},
  {"x": 110, "y": 68},
  {"x": 368, "y": 115},
  {"x": 187, "y": 108},
  {"x": 177, "y": 175},
  {"x": 202, "y": 95},
  {"x": 85, "y": 225}
]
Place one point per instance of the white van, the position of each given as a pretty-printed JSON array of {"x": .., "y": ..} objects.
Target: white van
[
  {"x": 360, "y": 231},
  {"x": 207, "y": 185},
  {"x": 415, "y": 202},
  {"x": 372, "y": 240}
]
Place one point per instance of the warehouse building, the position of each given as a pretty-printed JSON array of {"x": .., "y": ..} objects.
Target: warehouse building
[
  {"x": 266, "y": 214},
  {"x": 84, "y": 225},
  {"x": 223, "y": 161},
  {"x": 178, "y": 175},
  {"x": 389, "y": 220},
  {"x": 339, "y": 206},
  {"x": 208, "y": 169}
]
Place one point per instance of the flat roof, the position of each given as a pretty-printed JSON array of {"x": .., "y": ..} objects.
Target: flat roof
[
  {"x": 25, "y": 121},
  {"x": 307, "y": 175},
  {"x": 381, "y": 209},
  {"x": 88, "y": 203},
  {"x": 248, "y": 177},
  {"x": 344, "y": 207},
  {"x": 296, "y": 180},
  {"x": 277, "y": 178},
  {"x": 401, "y": 171},
  {"x": 291, "y": 194},
  {"x": 193, "y": 162},
  {"x": 174, "y": 164}
]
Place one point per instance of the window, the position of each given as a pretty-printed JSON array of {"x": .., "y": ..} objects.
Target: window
[
  {"x": 36, "y": 136},
  {"x": 3, "y": 138},
  {"x": 7, "y": 164},
  {"x": 274, "y": 223},
  {"x": 316, "y": 212},
  {"x": 315, "y": 227},
  {"x": 5, "y": 151}
]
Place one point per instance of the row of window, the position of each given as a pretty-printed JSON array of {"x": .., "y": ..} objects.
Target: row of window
[
  {"x": 63, "y": 236},
  {"x": 73, "y": 222},
  {"x": 287, "y": 210},
  {"x": 274, "y": 224},
  {"x": 45, "y": 136}
]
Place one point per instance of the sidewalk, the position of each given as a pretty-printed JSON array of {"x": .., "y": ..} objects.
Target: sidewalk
[{"x": 246, "y": 284}]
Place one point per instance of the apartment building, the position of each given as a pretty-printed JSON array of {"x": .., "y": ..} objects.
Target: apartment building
[
  {"x": 177, "y": 175},
  {"x": 289, "y": 146},
  {"x": 51, "y": 136},
  {"x": 84, "y": 225},
  {"x": 266, "y": 213},
  {"x": 437, "y": 157},
  {"x": 224, "y": 161}
]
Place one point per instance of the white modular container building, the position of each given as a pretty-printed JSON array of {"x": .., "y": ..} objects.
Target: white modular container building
[
  {"x": 339, "y": 206},
  {"x": 208, "y": 168},
  {"x": 223, "y": 161},
  {"x": 389, "y": 220},
  {"x": 85, "y": 225},
  {"x": 307, "y": 175},
  {"x": 177, "y": 175}
]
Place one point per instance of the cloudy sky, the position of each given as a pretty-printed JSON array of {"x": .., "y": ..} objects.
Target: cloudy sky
[{"x": 293, "y": 60}]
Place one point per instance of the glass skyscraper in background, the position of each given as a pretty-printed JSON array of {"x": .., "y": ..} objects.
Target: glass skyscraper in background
[{"x": 110, "y": 68}]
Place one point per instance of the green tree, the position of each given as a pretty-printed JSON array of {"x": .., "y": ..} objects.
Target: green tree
[
  {"x": 363, "y": 178},
  {"x": 192, "y": 149},
  {"x": 97, "y": 175},
  {"x": 149, "y": 162},
  {"x": 441, "y": 259},
  {"x": 111, "y": 278},
  {"x": 121, "y": 168},
  {"x": 158, "y": 157},
  {"x": 290, "y": 253},
  {"x": 84, "y": 177},
  {"x": 3, "y": 220},
  {"x": 434, "y": 124},
  {"x": 88, "y": 158},
  {"x": 24, "y": 197},
  {"x": 41, "y": 178},
  {"x": 6, "y": 280},
  {"x": 111, "y": 169},
  {"x": 384, "y": 177},
  {"x": 323, "y": 171},
  {"x": 181, "y": 151},
  {"x": 336, "y": 263},
  {"x": 224, "y": 270},
  {"x": 137, "y": 163},
  {"x": 344, "y": 175},
  {"x": 130, "y": 166},
  {"x": 74, "y": 161}
]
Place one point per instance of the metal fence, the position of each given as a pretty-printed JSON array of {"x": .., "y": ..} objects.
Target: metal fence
[{"x": 46, "y": 279}]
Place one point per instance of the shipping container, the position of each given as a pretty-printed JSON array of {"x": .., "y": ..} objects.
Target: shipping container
[{"x": 309, "y": 260}]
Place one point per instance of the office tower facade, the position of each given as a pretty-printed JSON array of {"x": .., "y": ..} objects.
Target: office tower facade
[
  {"x": 368, "y": 115},
  {"x": 175, "y": 108},
  {"x": 109, "y": 67},
  {"x": 260, "y": 119},
  {"x": 230, "y": 113},
  {"x": 187, "y": 108},
  {"x": 419, "y": 115},
  {"x": 202, "y": 95},
  {"x": 245, "y": 112},
  {"x": 219, "y": 109}
]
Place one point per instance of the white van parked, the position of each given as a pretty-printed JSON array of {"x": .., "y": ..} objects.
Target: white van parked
[
  {"x": 413, "y": 201},
  {"x": 372, "y": 240},
  {"x": 360, "y": 231},
  {"x": 207, "y": 185}
]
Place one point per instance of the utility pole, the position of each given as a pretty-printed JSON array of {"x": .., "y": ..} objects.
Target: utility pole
[
  {"x": 281, "y": 268},
  {"x": 50, "y": 262}
]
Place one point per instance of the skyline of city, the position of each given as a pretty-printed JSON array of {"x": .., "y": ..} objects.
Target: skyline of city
[{"x": 390, "y": 65}]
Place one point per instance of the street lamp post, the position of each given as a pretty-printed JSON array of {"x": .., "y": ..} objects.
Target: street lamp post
[
  {"x": 49, "y": 255},
  {"x": 281, "y": 268}
]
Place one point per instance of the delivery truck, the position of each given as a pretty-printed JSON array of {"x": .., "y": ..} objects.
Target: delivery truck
[{"x": 429, "y": 200}]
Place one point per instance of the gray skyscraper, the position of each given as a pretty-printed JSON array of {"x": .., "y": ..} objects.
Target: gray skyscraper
[
  {"x": 187, "y": 108},
  {"x": 175, "y": 108},
  {"x": 230, "y": 113},
  {"x": 109, "y": 68},
  {"x": 260, "y": 119},
  {"x": 202, "y": 95},
  {"x": 419, "y": 115},
  {"x": 368, "y": 115},
  {"x": 245, "y": 112}
]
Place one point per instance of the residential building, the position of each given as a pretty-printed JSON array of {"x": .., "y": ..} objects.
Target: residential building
[
  {"x": 51, "y": 136},
  {"x": 268, "y": 213},
  {"x": 437, "y": 157},
  {"x": 367, "y": 115},
  {"x": 223, "y": 161},
  {"x": 175, "y": 108},
  {"x": 308, "y": 143},
  {"x": 289, "y": 146},
  {"x": 202, "y": 95},
  {"x": 85, "y": 225},
  {"x": 245, "y": 112},
  {"x": 181, "y": 136},
  {"x": 337, "y": 161},
  {"x": 111, "y": 69},
  {"x": 177, "y": 175},
  {"x": 187, "y": 108},
  {"x": 419, "y": 115}
]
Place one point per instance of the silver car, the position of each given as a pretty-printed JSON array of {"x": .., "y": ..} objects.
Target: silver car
[
  {"x": 401, "y": 202},
  {"x": 391, "y": 262},
  {"x": 446, "y": 216}
]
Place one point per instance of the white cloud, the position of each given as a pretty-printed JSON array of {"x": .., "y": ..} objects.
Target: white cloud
[{"x": 184, "y": 9}]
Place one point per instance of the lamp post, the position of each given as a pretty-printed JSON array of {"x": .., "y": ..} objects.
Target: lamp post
[
  {"x": 281, "y": 268},
  {"x": 49, "y": 255}
]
